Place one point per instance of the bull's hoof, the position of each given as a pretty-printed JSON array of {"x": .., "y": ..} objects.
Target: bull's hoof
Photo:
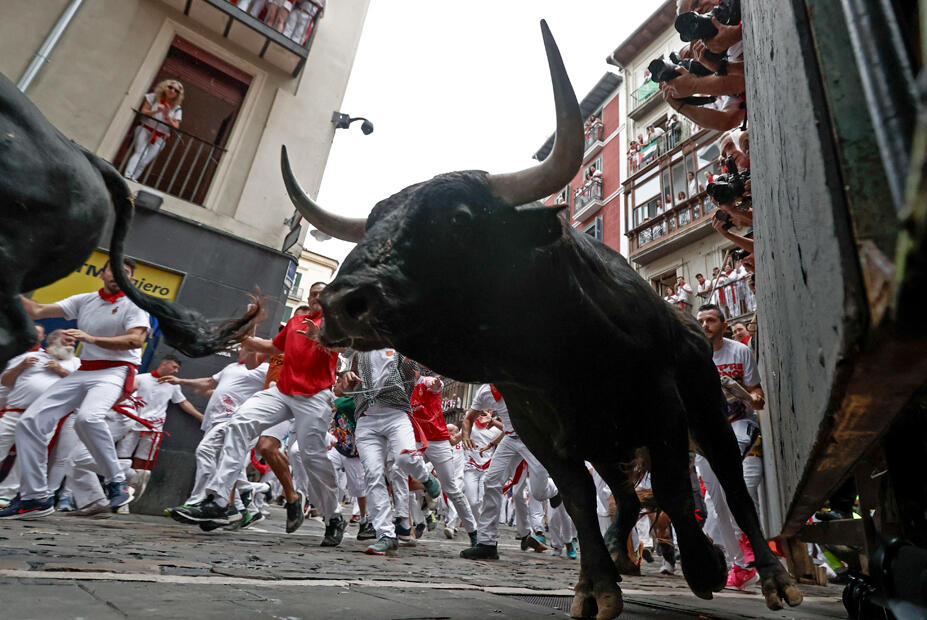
[
  {"x": 609, "y": 602},
  {"x": 707, "y": 573},
  {"x": 705, "y": 596},
  {"x": 778, "y": 584},
  {"x": 624, "y": 565},
  {"x": 583, "y": 605}
]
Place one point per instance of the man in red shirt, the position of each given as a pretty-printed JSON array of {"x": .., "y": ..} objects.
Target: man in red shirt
[{"x": 302, "y": 393}]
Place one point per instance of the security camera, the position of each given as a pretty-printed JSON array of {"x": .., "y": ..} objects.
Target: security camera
[{"x": 367, "y": 127}]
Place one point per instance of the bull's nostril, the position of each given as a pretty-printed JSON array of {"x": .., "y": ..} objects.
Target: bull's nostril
[{"x": 355, "y": 306}]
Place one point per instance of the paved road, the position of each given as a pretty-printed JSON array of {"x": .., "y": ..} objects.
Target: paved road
[{"x": 140, "y": 566}]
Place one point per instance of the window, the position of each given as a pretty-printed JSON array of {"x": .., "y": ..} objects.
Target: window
[
  {"x": 294, "y": 290},
  {"x": 647, "y": 190},
  {"x": 679, "y": 181},
  {"x": 597, "y": 162},
  {"x": 594, "y": 230},
  {"x": 563, "y": 197}
]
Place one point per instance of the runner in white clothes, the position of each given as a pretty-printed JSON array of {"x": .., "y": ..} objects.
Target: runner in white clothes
[
  {"x": 508, "y": 454},
  {"x": 485, "y": 433},
  {"x": 27, "y": 377},
  {"x": 112, "y": 331}
]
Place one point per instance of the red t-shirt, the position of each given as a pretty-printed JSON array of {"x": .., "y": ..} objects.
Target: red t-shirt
[
  {"x": 426, "y": 409},
  {"x": 308, "y": 367}
]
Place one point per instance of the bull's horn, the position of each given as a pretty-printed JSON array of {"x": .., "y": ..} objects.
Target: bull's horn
[
  {"x": 551, "y": 175},
  {"x": 346, "y": 228}
]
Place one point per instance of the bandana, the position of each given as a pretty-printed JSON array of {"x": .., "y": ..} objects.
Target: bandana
[
  {"x": 495, "y": 393},
  {"x": 154, "y": 373},
  {"x": 35, "y": 348},
  {"x": 478, "y": 425},
  {"x": 110, "y": 297}
]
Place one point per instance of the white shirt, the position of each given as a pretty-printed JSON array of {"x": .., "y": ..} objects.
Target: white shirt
[
  {"x": 175, "y": 114},
  {"x": 99, "y": 317},
  {"x": 380, "y": 361},
  {"x": 693, "y": 187},
  {"x": 156, "y": 397},
  {"x": 483, "y": 399},
  {"x": 735, "y": 360},
  {"x": 35, "y": 379},
  {"x": 481, "y": 437},
  {"x": 684, "y": 294},
  {"x": 235, "y": 385}
]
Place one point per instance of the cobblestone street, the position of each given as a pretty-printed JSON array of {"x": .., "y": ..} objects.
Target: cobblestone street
[{"x": 140, "y": 566}]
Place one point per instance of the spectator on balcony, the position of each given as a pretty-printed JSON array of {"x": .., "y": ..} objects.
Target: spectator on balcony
[
  {"x": 675, "y": 130},
  {"x": 252, "y": 7},
  {"x": 670, "y": 296},
  {"x": 302, "y": 19},
  {"x": 277, "y": 12},
  {"x": 668, "y": 199},
  {"x": 683, "y": 293},
  {"x": 704, "y": 287},
  {"x": 163, "y": 104},
  {"x": 654, "y": 132},
  {"x": 681, "y": 197},
  {"x": 660, "y": 207},
  {"x": 692, "y": 184},
  {"x": 593, "y": 175}
]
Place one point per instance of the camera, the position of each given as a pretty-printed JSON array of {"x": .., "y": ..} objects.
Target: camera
[
  {"x": 725, "y": 219},
  {"x": 692, "y": 25},
  {"x": 692, "y": 66},
  {"x": 727, "y": 188},
  {"x": 739, "y": 254},
  {"x": 662, "y": 71}
]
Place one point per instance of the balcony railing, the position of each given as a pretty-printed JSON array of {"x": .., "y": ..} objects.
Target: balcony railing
[
  {"x": 644, "y": 92},
  {"x": 733, "y": 296},
  {"x": 593, "y": 134},
  {"x": 684, "y": 215},
  {"x": 661, "y": 146},
  {"x": 183, "y": 167},
  {"x": 586, "y": 194}
]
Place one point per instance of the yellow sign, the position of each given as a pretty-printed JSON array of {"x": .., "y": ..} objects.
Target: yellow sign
[{"x": 86, "y": 279}]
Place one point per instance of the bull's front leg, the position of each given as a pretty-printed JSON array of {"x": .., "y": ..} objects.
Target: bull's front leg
[
  {"x": 597, "y": 591},
  {"x": 627, "y": 512}
]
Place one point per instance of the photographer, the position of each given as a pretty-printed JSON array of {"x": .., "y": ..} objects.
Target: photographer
[
  {"x": 744, "y": 243},
  {"x": 730, "y": 116}
]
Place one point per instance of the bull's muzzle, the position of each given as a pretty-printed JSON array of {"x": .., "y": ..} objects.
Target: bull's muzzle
[{"x": 350, "y": 314}]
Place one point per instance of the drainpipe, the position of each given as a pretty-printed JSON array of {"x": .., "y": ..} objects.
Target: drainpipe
[{"x": 50, "y": 42}]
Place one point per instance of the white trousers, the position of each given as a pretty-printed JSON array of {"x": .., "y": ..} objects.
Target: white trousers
[
  {"x": 562, "y": 529},
  {"x": 441, "y": 455},
  {"x": 10, "y": 485},
  {"x": 719, "y": 524},
  {"x": 60, "y": 461},
  {"x": 297, "y": 23},
  {"x": 137, "y": 444},
  {"x": 143, "y": 152},
  {"x": 505, "y": 459},
  {"x": 207, "y": 455},
  {"x": 473, "y": 488},
  {"x": 92, "y": 393},
  {"x": 376, "y": 436},
  {"x": 355, "y": 483},
  {"x": 253, "y": 7},
  {"x": 85, "y": 471},
  {"x": 312, "y": 416}
]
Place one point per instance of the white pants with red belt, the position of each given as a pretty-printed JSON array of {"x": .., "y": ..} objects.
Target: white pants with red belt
[
  {"x": 91, "y": 393},
  {"x": 143, "y": 152},
  {"x": 505, "y": 459},
  {"x": 375, "y": 437},
  {"x": 312, "y": 416}
]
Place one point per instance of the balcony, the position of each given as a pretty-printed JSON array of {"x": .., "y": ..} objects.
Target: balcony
[
  {"x": 586, "y": 196},
  {"x": 660, "y": 147},
  {"x": 594, "y": 138},
  {"x": 671, "y": 230},
  {"x": 249, "y": 32},
  {"x": 183, "y": 167},
  {"x": 734, "y": 297},
  {"x": 644, "y": 99}
]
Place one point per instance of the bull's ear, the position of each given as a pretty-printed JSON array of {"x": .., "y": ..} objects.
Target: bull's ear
[{"x": 542, "y": 225}]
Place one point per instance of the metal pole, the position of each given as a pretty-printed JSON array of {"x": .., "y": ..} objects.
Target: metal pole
[{"x": 50, "y": 42}]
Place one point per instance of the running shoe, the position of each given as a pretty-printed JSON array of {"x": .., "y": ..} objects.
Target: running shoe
[
  {"x": 741, "y": 578},
  {"x": 472, "y": 537},
  {"x": 252, "y": 518},
  {"x": 233, "y": 520},
  {"x": 667, "y": 569},
  {"x": 117, "y": 492},
  {"x": 403, "y": 533},
  {"x": 366, "y": 531},
  {"x": 540, "y": 536},
  {"x": 432, "y": 490},
  {"x": 419, "y": 530},
  {"x": 294, "y": 513},
  {"x": 206, "y": 510},
  {"x": 28, "y": 508},
  {"x": 480, "y": 551},
  {"x": 533, "y": 541},
  {"x": 449, "y": 532},
  {"x": 355, "y": 519},
  {"x": 571, "y": 550},
  {"x": 334, "y": 531},
  {"x": 4, "y": 502},
  {"x": 65, "y": 504},
  {"x": 431, "y": 521},
  {"x": 647, "y": 554},
  {"x": 384, "y": 546}
]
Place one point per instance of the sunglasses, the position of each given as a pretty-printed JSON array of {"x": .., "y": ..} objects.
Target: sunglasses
[{"x": 174, "y": 88}]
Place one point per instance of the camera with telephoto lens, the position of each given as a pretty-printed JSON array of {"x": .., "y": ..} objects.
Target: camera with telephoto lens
[
  {"x": 692, "y": 26},
  {"x": 692, "y": 66},
  {"x": 725, "y": 219},
  {"x": 729, "y": 187},
  {"x": 739, "y": 254}
]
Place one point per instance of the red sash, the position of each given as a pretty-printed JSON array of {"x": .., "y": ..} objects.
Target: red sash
[
  {"x": 129, "y": 385},
  {"x": 517, "y": 476},
  {"x": 9, "y": 410}
]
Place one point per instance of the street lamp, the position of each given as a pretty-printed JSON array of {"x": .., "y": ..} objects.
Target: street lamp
[{"x": 343, "y": 121}]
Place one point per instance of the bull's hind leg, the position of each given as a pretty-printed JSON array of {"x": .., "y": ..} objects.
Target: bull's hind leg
[
  {"x": 596, "y": 589},
  {"x": 17, "y": 333},
  {"x": 703, "y": 564},
  {"x": 628, "y": 508},
  {"x": 713, "y": 433}
]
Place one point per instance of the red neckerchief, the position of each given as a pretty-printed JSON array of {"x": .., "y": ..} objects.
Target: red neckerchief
[
  {"x": 110, "y": 297},
  {"x": 478, "y": 425},
  {"x": 495, "y": 393},
  {"x": 154, "y": 373},
  {"x": 35, "y": 348}
]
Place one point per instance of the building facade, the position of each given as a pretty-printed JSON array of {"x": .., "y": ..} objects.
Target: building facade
[
  {"x": 311, "y": 268},
  {"x": 212, "y": 218}
]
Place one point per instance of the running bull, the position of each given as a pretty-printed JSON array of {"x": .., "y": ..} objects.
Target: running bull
[
  {"x": 469, "y": 274},
  {"x": 55, "y": 197}
]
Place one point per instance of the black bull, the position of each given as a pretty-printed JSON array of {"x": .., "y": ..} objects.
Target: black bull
[
  {"x": 55, "y": 197},
  {"x": 465, "y": 275}
]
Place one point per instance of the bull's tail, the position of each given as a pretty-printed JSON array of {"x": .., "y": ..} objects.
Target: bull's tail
[{"x": 184, "y": 329}]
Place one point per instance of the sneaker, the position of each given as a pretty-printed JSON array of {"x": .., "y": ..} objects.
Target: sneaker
[
  {"x": 247, "y": 496},
  {"x": 90, "y": 510},
  {"x": 122, "y": 510},
  {"x": 431, "y": 521},
  {"x": 647, "y": 554},
  {"x": 28, "y": 508},
  {"x": 404, "y": 534},
  {"x": 533, "y": 541},
  {"x": 142, "y": 477},
  {"x": 556, "y": 551},
  {"x": 294, "y": 513},
  {"x": 238, "y": 521},
  {"x": 252, "y": 518},
  {"x": 571, "y": 550},
  {"x": 449, "y": 532},
  {"x": 667, "y": 568},
  {"x": 741, "y": 578},
  {"x": 472, "y": 536},
  {"x": 233, "y": 520},
  {"x": 384, "y": 546},
  {"x": 65, "y": 504},
  {"x": 168, "y": 512},
  {"x": 480, "y": 551},
  {"x": 540, "y": 536},
  {"x": 419, "y": 530},
  {"x": 206, "y": 510},
  {"x": 334, "y": 531},
  {"x": 117, "y": 492},
  {"x": 744, "y": 543},
  {"x": 432, "y": 490},
  {"x": 366, "y": 531},
  {"x": 355, "y": 519},
  {"x": 4, "y": 502}
]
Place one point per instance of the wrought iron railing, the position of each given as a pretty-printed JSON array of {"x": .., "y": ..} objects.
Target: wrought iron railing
[
  {"x": 183, "y": 166},
  {"x": 586, "y": 194},
  {"x": 644, "y": 92},
  {"x": 593, "y": 134}
]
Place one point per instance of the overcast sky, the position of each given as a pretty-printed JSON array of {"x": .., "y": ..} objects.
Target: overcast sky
[{"x": 457, "y": 86}]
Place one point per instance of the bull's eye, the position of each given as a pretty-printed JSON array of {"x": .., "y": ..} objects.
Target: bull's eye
[{"x": 461, "y": 216}]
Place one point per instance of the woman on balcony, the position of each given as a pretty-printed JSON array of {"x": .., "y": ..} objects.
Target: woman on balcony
[{"x": 150, "y": 136}]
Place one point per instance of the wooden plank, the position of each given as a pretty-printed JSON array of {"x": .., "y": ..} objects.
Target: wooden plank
[{"x": 839, "y": 532}]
